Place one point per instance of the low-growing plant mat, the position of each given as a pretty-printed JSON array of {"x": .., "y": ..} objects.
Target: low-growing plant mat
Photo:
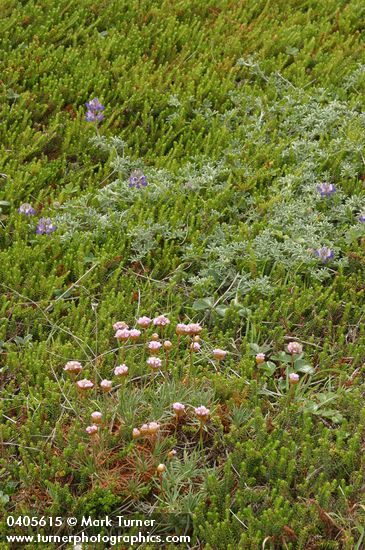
[{"x": 244, "y": 122}]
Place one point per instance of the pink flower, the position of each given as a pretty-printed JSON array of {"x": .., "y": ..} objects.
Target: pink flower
[
  {"x": 193, "y": 328},
  {"x": 260, "y": 358},
  {"x": 179, "y": 409},
  {"x": 181, "y": 328},
  {"x": 73, "y": 367},
  {"x": 136, "y": 433},
  {"x": 84, "y": 384},
  {"x": 120, "y": 325},
  {"x": 172, "y": 453},
  {"x": 153, "y": 428},
  {"x": 161, "y": 468},
  {"x": 134, "y": 334},
  {"x": 154, "y": 362},
  {"x": 295, "y": 348},
  {"x": 144, "y": 429},
  {"x": 96, "y": 417},
  {"x": 161, "y": 321},
  {"x": 154, "y": 347},
  {"x": 92, "y": 430},
  {"x": 106, "y": 385},
  {"x": 202, "y": 413},
  {"x": 195, "y": 346},
  {"x": 144, "y": 322},
  {"x": 293, "y": 378},
  {"x": 219, "y": 354},
  {"x": 121, "y": 370},
  {"x": 122, "y": 334}
]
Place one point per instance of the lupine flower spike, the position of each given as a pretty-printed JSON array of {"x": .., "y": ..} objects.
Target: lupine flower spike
[
  {"x": 26, "y": 209},
  {"x": 325, "y": 254},
  {"x": 137, "y": 179},
  {"x": 94, "y": 111},
  {"x": 45, "y": 226},
  {"x": 326, "y": 189}
]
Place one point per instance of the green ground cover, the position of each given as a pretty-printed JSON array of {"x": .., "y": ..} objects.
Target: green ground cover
[{"x": 235, "y": 112}]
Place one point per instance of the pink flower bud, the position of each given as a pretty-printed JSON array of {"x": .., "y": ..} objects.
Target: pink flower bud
[
  {"x": 96, "y": 417},
  {"x": 219, "y": 354},
  {"x": 293, "y": 378},
  {"x": 260, "y": 358}
]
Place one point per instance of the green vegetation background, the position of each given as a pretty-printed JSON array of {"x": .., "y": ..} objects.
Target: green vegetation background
[{"x": 210, "y": 96}]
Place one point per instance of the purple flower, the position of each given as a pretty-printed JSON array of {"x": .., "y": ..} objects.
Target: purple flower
[
  {"x": 94, "y": 108},
  {"x": 326, "y": 189},
  {"x": 137, "y": 179},
  {"x": 324, "y": 254},
  {"x": 94, "y": 105},
  {"x": 45, "y": 226},
  {"x": 362, "y": 217},
  {"x": 92, "y": 116},
  {"x": 26, "y": 209}
]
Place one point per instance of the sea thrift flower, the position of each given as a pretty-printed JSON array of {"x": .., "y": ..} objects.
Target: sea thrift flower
[
  {"x": 26, "y": 209},
  {"x": 45, "y": 226},
  {"x": 154, "y": 362},
  {"x": 134, "y": 334},
  {"x": 326, "y": 189},
  {"x": 161, "y": 468},
  {"x": 172, "y": 453},
  {"x": 73, "y": 367},
  {"x": 295, "y": 348},
  {"x": 84, "y": 384},
  {"x": 167, "y": 345},
  {"x": 155, "y": 336},
  {"x": 120, "y": 325},
  {"x": 144, "y": 322},
  {"x": 137, "y": 179},
  {"x": 179, "y": 409},
  {"x": 154, "y": 347},
  {"x": 161, "y": 321},
  {"x": 122, "y": 334},
  {"x": 324, "y": 254},
  {"x": 136, "y": 433},
  {"x": 96, "y": 417},
  {"x": 106, "y": 385},
  {"x": 121, "y": 370},
  {"x": 92, "y": 430},
  {"x": 202, "y": 413},
  {"x": 195, "y": 346},
  {"x": 293, "y": 378},
  {"x": 193, "y": 328},
  {"x": 94, "y": 108},
  {"x": 181, "y": 328},
  {"x": 153, "y": 428},
  {"x": 260, "y": 358},
  {"x": 219, "y": 354},
  {"x": 144, "y": 429}
]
